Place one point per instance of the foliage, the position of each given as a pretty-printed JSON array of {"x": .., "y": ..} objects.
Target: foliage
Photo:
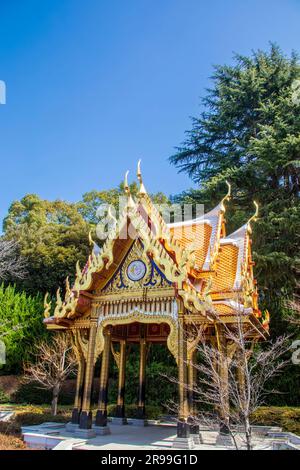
[
  {"x": 4, "y": 398},
  {"x": 10, "y": 442},
  {"x": 10, "y": 431},
  {"x": 21, "y": 323},
  {"x": 249, "y": 134},
  {"x": 151, "y": 411},
  {"x": 31, "y": 393},
  {"x": 286, "y": 417},
  {"x": 52, "y": 237}
]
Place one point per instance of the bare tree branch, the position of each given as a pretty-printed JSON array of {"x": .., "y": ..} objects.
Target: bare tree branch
[
  {"x": 12, "y": 265},
  {"x": 55, "y": 363},
  {"x": 232, "y": 379}
]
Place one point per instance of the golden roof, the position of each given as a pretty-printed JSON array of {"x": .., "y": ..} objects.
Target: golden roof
[{"x": 207, "y": 267}]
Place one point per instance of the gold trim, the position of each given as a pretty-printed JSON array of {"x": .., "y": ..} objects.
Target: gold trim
[{"x": 172, "y": 341}]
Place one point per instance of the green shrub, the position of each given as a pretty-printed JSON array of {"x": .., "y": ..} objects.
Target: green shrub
[
  {"x": 152, "y": 412},
  {"x": 21, "y": 322},
  {"x": 286, "y": 417},
  {"x": 31, "y": 393},
  {"x": 30, "y": 418},
  {"x": 4, "y": 398}
]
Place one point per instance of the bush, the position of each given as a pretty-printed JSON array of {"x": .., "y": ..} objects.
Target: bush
[
  {"x": 30, "y": 392},
  {"x": 10, "y": 431},
  {"x": 21, "y": 321},
  {"x": 8, "y": 442},
  {"x": 4, "y": 398},
  {"x": 10, "y": 428},
  {"x": 152, "y": 412},
  {"x": 34, "y": 418},
  {"x": 31, "y": 415},
  {"x": 286, "y": 417}
]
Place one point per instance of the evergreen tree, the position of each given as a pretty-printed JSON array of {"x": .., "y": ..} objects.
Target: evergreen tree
[
  {"x": 52, "y": 236},
  {"x": 249, "y": 134},
  {"x": 21, "y": 323}
]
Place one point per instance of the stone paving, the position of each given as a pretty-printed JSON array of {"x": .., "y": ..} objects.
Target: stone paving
[{"x": 126, "y": 437}]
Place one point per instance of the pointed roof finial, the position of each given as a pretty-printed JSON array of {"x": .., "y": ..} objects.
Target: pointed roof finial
[
  {"x": 91, "y": 241},
  {"x": 47, "y": 306},
  {"x": 227, "y": 195},
  {"x": 139, "y": 175},
  {"x": 126, "y": 186},
  {"x": 130, "y": 201},
  {"x": 111, "y": 217},
  {"x": 253, "y": 217},
  {"x": 68, "y": 288}
]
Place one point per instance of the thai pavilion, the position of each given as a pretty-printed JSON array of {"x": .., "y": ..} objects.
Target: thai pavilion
[{"x": 160, "y": 284}]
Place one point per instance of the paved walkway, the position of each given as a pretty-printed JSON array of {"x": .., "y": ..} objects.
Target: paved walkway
[
  {"x": 126, "y": 437},
  {"x": 134, "y": 437}
]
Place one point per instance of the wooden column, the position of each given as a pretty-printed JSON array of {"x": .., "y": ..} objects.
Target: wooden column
[
  {"x": 85, "y": 421},
  {"x": 79, "y": 391},
  {"x": 183, "y": 427},
  {"x": 121, "y": 382},
  {"x": 192, "y": 381},
  {"x": 142, "y": 375},
  {"x": 101, "y": 416}
]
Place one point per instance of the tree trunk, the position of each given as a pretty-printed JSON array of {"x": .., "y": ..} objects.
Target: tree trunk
[
  {"x": 54, "y": 400},
  {"x": 248, "y": 434}
]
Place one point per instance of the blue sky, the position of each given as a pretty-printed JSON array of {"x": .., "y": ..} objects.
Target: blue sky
[{"x": 94, "y": 85}]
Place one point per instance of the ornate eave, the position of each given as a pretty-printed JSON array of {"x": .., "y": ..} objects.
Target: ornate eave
[{"x": 225, "y": 272}]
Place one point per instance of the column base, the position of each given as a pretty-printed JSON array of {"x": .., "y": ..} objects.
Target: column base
[
  {"x": 75, "y": 416},
  {"x": 195, "y": 432},
  {"x": 71, "y": 427},
  {"x": 197, "y": 439},
  {"x": 186, "y": 443},
  {"x": 224, "y": 440},
  {"x": 194, "y": 428},
  {"x": 224, "y": 428},
  {"x": 101, "y": 418},
  {"x": 85, "y": 421},
  {"x": 85, "y": 433},
  {"x": 183, "y": 429},
  {"x": 102, "y": 430}
]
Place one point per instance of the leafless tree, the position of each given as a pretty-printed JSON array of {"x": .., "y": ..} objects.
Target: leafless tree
[
  {"x": 55, "y": 363},
  {"x": 233, "y": 376},
  {"x": 12, "y": 265}
]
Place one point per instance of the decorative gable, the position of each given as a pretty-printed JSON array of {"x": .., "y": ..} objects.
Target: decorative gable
[{"x": 137, "y": 271}]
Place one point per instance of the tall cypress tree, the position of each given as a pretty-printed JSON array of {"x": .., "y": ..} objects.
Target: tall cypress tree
[{"x": 249, "y": 133}]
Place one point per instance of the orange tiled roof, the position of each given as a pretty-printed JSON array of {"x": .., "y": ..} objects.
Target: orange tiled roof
[
  {"x": 226, "y": 268},
  {"x": 223, "y": 309},
  {"x": 205, "y": 231},
  {"x": 200, "y": 234}
]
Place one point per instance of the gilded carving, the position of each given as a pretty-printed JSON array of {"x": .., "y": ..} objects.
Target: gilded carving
[
  {"x": 151, "y": 278},
  {"x": 138, "y": 316}
]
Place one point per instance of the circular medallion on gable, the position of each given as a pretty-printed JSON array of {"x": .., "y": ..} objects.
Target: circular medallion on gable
[{"x": 136, "y": 270}]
